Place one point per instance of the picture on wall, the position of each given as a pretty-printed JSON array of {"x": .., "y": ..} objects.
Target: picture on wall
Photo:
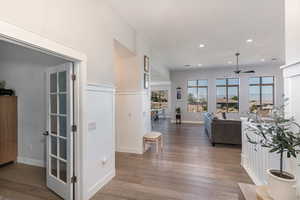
[
  {"x": 146, "y": 63},
  {"x": 178, "y": 93},
  {"x": 146, "y": 81}
]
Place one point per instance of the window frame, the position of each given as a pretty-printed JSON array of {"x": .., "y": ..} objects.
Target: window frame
[
  {"x": 260, "y": 85},
  {"x": 197, "y": 87},
  {"x": 227, "y": 96}
]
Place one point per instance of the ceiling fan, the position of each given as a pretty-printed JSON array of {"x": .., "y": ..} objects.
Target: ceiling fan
[{"x": 238, "y": 70}]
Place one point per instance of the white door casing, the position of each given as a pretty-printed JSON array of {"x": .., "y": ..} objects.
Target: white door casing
[{"x": 59, "y": 153}]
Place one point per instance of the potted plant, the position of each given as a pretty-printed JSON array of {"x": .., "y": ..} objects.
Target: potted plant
[
  {"x": 280, "y": 135},
  {"x": 2, "y": 84}
]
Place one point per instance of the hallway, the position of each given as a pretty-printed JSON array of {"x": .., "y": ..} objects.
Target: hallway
[{"x": 189, "y": 168}]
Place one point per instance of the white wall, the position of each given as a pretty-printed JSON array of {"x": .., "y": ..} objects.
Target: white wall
[
  {"x": 292, "y": 72},
  {"x": 132, "y": 100},
  {"x": 180, "y": 79},
  {"x": 28, "y": 82},
  {"x": 24, "y": 71},
  {"x": 292, "y": 31},
  {"x": 86, "y": 26}
]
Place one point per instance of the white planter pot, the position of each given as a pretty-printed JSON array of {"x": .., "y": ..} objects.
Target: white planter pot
[{"x": 281, "y": 188}]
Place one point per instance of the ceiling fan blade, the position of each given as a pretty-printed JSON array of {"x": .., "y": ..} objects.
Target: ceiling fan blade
[{"x": 248, "y": 72}]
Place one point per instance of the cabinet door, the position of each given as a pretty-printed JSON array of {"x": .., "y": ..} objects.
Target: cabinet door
[{"x": 8, "y": 129}]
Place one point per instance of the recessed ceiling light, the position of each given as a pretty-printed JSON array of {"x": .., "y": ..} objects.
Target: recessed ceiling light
[
  {"x": 201, "y": 45},
  {"x": 262, "y": 60},
  {"x": 249, "y": 40},
  {"x": 229, "y": 62},
  {"x": 200, "y": 65}
]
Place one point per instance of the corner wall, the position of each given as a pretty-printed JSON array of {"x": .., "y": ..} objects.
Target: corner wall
[{"x": 132, "y": 100}]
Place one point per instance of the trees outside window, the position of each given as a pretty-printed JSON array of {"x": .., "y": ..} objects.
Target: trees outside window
[
  {"x": 261, "y": 93},
  {"x": 227, "y": 94},
  {"x": 197, "y": 95}
]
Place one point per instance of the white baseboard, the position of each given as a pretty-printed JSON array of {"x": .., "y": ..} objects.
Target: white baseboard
[
  {"x": 129, "y": 150},
  {"x": 96, "y": 187},
  {"x": 252, "y": 175},
  {"x": 188, "y": 122},
  {"x": 30, "y": 161}
]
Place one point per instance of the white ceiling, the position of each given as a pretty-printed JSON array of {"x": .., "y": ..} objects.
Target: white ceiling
[{"x": 176, "y": 28}]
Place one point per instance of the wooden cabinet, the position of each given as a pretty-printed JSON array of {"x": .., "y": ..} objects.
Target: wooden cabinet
[{"x": 8, "y": 129}]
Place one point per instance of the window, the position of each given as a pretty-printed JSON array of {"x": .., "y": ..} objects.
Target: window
[
  {"x": 227, "y": 95},
  {"x": 261, "y": 93},
  {"x": 197, "y": 95}
]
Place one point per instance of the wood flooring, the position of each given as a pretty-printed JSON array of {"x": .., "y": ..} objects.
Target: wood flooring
[
  {"x": 188, "y": 169},
  {"x": 23, "y": 182}
]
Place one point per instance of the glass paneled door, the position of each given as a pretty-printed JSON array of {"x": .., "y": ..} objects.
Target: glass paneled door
[{"x": 59, "y": 134}]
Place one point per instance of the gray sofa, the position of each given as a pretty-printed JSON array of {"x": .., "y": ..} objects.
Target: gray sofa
[{"x": 222, "y": 131}]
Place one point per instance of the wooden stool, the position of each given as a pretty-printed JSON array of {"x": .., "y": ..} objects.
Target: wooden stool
[{"x": 153, "y": 137}]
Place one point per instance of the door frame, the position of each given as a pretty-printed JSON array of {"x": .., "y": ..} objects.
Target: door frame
[{"x": 16, "y": 35}]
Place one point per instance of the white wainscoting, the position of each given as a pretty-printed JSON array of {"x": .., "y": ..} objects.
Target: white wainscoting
[
  {"x": 132, "y": 120},
  {"x": 99, "y": 166},
  {"x": 255, "y": 159},
  {"x": 291, "y": 73}
]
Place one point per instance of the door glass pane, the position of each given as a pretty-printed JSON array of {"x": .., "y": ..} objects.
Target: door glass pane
[
  {"x": 63, "y": 148},
  {"x": 63, "y": 126},
  {"x": 62, "y": 104},
  {"x": 53, "y": 103},
  {"x": 62, "y": 81},
  {"x": 54, "y": 145},
  {"x": 63, "y": 171},
  {"x": 53, "y": 166},
  {"x": 53, "y": 82},
  {"x": 53, "y": 119}
]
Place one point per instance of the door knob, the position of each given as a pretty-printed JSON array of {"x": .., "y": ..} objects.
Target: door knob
[{"x": 46, "y": 133}]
